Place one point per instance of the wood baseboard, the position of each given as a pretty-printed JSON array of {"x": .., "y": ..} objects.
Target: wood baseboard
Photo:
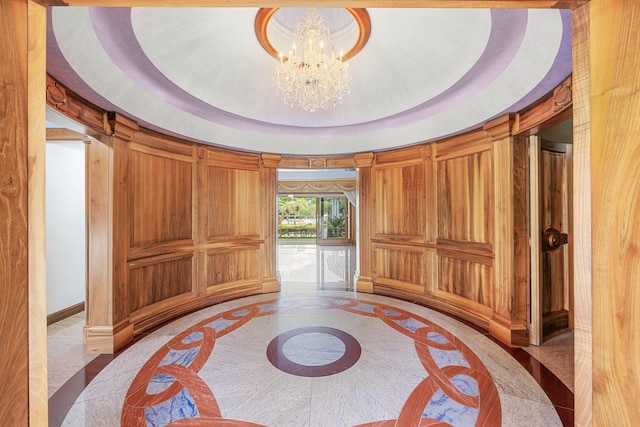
[{"x": 63, "y": 314}]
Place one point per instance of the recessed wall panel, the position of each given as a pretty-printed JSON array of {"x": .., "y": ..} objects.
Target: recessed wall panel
[
  {"x": 154, "y": 281},
  {"x": 466, "y": 279},
  {"x": 226, "y": 267},
  {"x": 233, "y": 202},
  {"x": 160, "y": 198},
  {"x": 465, "y": 198},
  {"x": 400, "y": 201}
]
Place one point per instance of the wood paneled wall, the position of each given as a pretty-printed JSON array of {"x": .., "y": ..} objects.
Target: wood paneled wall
[
  {"x": 23, "y": 314},
  {"x": 449, "y": 226},
  {"x": 583, "y": 301},
  {"x": 615, "y": 189},
  {"x": 183, "y": 226}
]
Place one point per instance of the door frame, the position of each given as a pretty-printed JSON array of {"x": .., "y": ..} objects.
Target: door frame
[
  {"x": 535, "y": 296},
  {"x": 535, "y": 293}
]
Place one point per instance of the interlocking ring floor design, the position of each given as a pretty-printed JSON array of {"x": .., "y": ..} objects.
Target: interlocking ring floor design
[{"x": 176, "y": 385}]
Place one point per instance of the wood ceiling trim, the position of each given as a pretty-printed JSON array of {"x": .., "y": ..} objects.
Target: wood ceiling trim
[
  {"x": 484, "y": 4},
  {"x": 361, "y": 16}
]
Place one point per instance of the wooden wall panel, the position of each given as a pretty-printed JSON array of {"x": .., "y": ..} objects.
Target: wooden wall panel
[
  {"x": 160, "y": 193},
  {"x": 155, "y": 280},
  {"x": 228, "y": 266},
  {"x": 268, "y": 185},
  {"x": 401, "y": 266},
  {"x": 23, "y": 329},
  {"x": 470, "y": 280},
  {"x": 233, "y": 203},
  {"x": 521, "y": 228},
  {"x": 465, "y": 198},
  {"x": 400, "y": 201}
]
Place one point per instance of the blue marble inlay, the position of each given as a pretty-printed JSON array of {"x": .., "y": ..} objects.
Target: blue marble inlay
[
  {"x": 221, "y": 324},
  {"x": 448, "y": 358},
  {"x": 268, "y": 307},
  {"x": 241, "y": 313},
  {"x": 442, "y": 407},
  {"x": 410, "y": 324},
  {"x": 367, "y": 308},
  {"x": 389, "y": 312},
  {"x": 313, "y": 349},
  {"x": 160, "y": 383},
  {"x": 178, "y": 407},
  {"x": 466, "y": 384},
  {"x": 180, "y": 357},
  {"x": 437, "y": 337},
  {"x": 341, "y": 301},
  {"x": 193, "y": 337}
]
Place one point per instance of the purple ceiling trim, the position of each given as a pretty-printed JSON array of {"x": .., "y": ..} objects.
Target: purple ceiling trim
[
  {"x": 126, "y": 52},
  {"x": 123, "y": 48},
  {"x": 560, "y": 70},
  {"x": 496, "y": 57},
  {"x": 59, "y": 69}
]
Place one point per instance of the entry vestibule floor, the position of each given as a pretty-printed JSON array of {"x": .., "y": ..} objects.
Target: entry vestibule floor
[{"x": 247, "y": 387}]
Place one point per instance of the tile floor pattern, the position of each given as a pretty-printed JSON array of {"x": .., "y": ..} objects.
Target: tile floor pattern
[{"x": 212, "y": 367}]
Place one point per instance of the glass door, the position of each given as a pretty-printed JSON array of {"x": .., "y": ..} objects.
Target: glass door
[{"x": 332, "y": 220}]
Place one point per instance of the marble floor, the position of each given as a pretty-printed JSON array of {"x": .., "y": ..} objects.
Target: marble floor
[{"x": 315, "y": 354}]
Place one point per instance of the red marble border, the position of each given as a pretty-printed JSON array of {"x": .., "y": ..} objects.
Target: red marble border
[{"x": 561, "y": 397}]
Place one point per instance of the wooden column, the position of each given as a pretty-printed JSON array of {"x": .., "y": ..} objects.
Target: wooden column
[
  {"x": 582, "y": 219},
  {"x": 269, "y": 183},
  {"x": 614, "y": 49},
  {"x": 108, "y": 328},
  {"x": 364, "y": 282},
  {"x": 511, "y": 240},
  {"x": 23, "y": 315}
]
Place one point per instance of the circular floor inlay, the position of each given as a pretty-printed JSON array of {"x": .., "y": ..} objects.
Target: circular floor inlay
[{"x": 314, "y": 351}]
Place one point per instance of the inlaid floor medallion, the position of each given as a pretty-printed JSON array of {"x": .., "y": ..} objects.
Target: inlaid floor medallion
[{"x": 315, "y": 351}]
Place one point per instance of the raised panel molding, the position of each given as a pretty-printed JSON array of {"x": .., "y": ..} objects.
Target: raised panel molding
[
  {"x": 226, "y": 268},
  {"x": 160, "y": 204},
  {"x": 470, "y": 258},
  {"x": 233, "y": 203},
  {"x": 155, "y": 280},
  {"x": 465, "y": 196},
  {"x": 401, "y": 267},
  {"x": 156, "y": 237},
  {"x": 400, "y": 202},
  {"x": 465, "y": 278}
]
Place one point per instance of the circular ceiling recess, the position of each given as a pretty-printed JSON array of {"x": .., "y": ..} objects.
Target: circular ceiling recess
[
  {"x": 205, "y": 74},
  {"x": 349, "y": 27}
]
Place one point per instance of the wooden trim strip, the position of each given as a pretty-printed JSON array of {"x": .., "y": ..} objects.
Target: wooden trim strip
[
  {"x": 467, "y": 256},
  {"x": 463, "y": 145},
  {"x": 484, "y": 4},
  {"x": 65, "y": 313},
  {"x": 404, "y": 156}
]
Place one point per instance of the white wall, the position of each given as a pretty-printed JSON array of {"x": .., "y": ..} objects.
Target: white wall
[{"x": 66, "y": 229}]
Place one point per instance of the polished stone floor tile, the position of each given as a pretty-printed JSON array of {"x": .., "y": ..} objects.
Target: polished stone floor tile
[{"x": 395, "y": 363}]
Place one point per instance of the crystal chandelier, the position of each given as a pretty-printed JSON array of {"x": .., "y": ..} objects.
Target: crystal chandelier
[{"x": 312, "y": 80}]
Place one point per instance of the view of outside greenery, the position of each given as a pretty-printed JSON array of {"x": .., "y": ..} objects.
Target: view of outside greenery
[{"x": 297, "y": 217}]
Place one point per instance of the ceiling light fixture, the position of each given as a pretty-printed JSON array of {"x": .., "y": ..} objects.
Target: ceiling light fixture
[{"x": 308, "y": 77}]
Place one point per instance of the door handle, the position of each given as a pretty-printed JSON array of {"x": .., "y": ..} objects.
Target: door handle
[{"x": 552, "y": 239}]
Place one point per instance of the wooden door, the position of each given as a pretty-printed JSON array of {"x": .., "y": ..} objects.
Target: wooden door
[{"x": 552, "y": 294}]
